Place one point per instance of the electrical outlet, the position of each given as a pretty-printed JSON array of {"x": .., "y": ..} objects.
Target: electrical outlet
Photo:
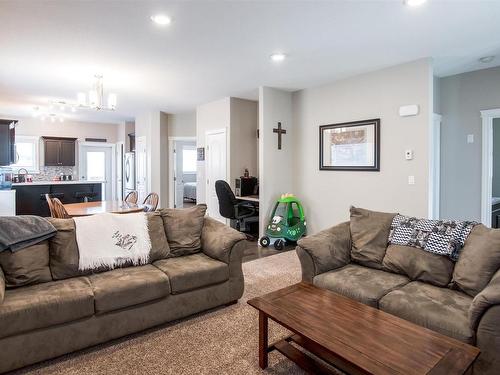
[{"x": 411, "y": 180}]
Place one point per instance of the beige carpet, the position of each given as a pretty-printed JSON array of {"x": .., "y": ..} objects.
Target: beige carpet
[{"x": 221, "y": 341}]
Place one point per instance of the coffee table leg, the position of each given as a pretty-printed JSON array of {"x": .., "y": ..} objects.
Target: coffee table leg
[{"x": 263, "y": 340}]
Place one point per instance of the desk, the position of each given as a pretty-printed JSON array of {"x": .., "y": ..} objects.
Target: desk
[
  {"x": 250, "y": 198},
  {"x": 98, "y": 207}
]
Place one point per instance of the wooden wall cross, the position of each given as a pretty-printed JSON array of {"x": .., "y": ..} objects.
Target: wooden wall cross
[{"x": 280, "y": 131}]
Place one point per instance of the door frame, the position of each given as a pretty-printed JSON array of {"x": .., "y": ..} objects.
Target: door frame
[
  {"x": 112, "y": 147},
  {"x": 171, "y": 166},
  {"x": 434, "y": 166},
  {"x": 147, "y": 167},
  {"x": 207, "y": 134},
  {"x": 487, "y": 117}
]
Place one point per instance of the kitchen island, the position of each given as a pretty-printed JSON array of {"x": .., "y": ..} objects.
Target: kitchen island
[{"x": 30, "y": 196}]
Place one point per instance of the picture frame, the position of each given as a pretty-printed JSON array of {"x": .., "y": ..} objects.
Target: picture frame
[{"x": 350, "y": 146}]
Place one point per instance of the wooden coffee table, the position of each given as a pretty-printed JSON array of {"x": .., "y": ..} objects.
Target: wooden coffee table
[{"x": 354, "y": 337}]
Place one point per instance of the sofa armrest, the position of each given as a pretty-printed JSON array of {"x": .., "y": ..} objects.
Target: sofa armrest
[
  {"x": 488, "y": 297},
  {"x": 324, "y": 251},
  {"x": 217, "y": 239},
  {"x": 2, "y": 285}
]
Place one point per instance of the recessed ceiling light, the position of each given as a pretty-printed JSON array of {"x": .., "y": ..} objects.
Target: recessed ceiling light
[
  {"x": 161, "y": 19},
  {"x": 414, "y": 3},
  {"x": 486, "y": 59},
  {"x": 278, "y": 57}
]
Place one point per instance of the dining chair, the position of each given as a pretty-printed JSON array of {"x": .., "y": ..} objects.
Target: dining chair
[
  {"x": 56, "y": 208},
  {"x": 131, "y": 197},
  {"x": 151, "y": 202}
]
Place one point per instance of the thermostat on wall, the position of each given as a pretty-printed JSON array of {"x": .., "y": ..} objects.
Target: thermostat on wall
[{"x": 408, "y": 110}]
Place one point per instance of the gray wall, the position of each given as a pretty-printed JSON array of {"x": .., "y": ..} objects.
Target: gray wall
[
  {"x": 462, "y": 97},
  {"x": 496, "y": 158},
  {"x": 327, "y": 195}
]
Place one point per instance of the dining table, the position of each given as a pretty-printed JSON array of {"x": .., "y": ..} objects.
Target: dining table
[{"x": 98, "y": 207}]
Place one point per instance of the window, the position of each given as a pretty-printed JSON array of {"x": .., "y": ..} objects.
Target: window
[
  {"x": 27, "y": 154},
  {"x": 188, "y": 160},
  {"x": 96, "y": 166}
]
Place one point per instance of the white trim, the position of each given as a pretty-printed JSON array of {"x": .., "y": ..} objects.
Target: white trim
[
  {"x": 434, "y": 166},
  {"x": 113, "y": 162},
  {"x": 487, "y": 117}
]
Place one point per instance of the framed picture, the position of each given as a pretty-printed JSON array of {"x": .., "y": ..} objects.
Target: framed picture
[{"x": 350, "y": 146}]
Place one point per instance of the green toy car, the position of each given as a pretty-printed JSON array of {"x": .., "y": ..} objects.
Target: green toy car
[{"x": 288, "y": 223}]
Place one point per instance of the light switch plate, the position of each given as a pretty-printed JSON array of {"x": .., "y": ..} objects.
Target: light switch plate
[
  {"x": 411, "y": 180},
  {"x": 470, "y": 138}
]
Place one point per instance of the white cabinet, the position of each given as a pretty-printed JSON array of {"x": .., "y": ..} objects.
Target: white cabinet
[{"x": 7, "y": 202}]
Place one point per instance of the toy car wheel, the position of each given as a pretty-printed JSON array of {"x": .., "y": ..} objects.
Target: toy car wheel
[
  {"x": 264, "y": 241},
  {"x": 279, "y": 244}
]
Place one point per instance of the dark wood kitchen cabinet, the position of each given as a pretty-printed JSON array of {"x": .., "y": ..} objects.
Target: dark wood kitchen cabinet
[
  {"x": 59, "y": 151},
  {"x": 7, "y": 142}
]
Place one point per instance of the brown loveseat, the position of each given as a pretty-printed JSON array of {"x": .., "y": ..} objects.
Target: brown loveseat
[
  {"x": 459, "y": 299},
  {"x": 50, "y": 308}
]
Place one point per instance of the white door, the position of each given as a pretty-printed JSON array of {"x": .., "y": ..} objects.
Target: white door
[
  {"x": 96, "y": 164},
  {"x": 216, "y": 164},
  {"x": 141, "y": 172}
]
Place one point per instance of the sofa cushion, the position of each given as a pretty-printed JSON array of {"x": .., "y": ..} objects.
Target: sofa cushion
[
  {"x": 159, "y": 243},
  {"x": 363, "y": 284},
  {"x": 44, "y": 305},
  {"x": 26, "y": 266},
  {"x": 183, "y": 228},
  {"x": 124, "y": 287},
  {"x": 418, "y": 264},
  {"x": 193, "y": 271},
  {"x": 370, "y": 234},
  {"x": 440, "y": 309},
  {"x": 478, "y": 261}
]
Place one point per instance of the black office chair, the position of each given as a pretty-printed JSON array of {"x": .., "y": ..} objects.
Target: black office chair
[{"x": 239, "y": 212}]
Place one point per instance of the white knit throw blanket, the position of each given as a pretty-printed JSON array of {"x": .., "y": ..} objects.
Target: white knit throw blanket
[{"x": 111, "y": 240}]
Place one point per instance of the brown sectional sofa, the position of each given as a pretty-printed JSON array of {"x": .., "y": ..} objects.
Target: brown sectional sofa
[
  {"x": 459, "y": 299},
  {"x": 54, "y": 309}
]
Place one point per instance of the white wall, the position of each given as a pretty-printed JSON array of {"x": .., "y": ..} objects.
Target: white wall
[
  {"x": 75, "y": 129},
  {"x": 182, "y": 124},
  {"x": 211, "y": 116},
  {"x": 243, "y": 138},
  {"x": 154, "y": 126},
  {"x": 276, "y": 167},
  {"x": 461, "y": 98},
  {"x": 327, "y": 195}
]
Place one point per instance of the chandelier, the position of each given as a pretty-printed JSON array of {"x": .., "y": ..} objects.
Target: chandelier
[{"x": 94, "y": 101}]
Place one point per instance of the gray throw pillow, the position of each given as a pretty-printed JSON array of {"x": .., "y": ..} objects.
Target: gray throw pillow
[
  {"x": 479, "y": 260},
  {"x": 2, "y": 285},
  {"x": 419, "y": 264},
  {"x": 159, "y": 244},
  {"x": 369, "y": 234},
  {"x": 26, "y": 266},
  {"x": 183, "y": 228}
]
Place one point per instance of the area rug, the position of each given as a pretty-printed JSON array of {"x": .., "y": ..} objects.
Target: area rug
[{"x": 220, "y": 341}]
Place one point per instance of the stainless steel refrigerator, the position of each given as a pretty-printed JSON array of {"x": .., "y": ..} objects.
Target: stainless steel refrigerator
[{"x": 129, "y": 172}]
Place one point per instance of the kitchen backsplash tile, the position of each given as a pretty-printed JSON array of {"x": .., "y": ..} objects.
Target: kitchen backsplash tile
[{"x": 48, "y": 173}]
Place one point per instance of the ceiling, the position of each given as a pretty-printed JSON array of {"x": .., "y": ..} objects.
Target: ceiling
[{"x": 213, "y": 49}]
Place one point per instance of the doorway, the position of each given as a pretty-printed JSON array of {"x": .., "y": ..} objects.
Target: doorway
[
  {"x": 490, "y": 180},
  {"x": 182, "y": 179},
  {"x": 216, "y": 169},
  {"x": 97, "y": 163}
]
